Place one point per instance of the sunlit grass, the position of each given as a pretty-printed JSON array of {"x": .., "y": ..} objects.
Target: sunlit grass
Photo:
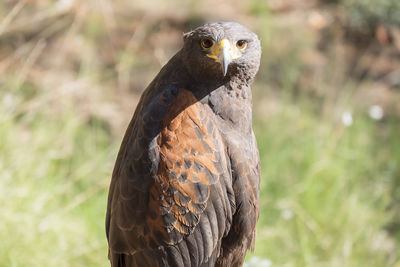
[
  {"x": 325, "y": 189},
  {"x": 54, "y": 171}
]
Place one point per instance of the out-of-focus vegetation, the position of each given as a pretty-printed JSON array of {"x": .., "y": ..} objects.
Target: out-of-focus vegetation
[
  {"x": 366, "y": 14},
  {"x": 326, "y": 116}
]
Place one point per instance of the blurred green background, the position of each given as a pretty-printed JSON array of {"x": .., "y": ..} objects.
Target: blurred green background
[{"x": 326, "y": 115}]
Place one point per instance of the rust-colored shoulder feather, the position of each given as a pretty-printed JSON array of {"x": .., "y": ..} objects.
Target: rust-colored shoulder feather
[{"x": 187, "y": 204}]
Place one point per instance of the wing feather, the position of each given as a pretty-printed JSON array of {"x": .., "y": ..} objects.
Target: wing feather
[{"x": 167, "y": 191}]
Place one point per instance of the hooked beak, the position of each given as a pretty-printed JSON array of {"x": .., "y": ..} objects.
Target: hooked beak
[
  {"x": 224, "y": 53},
  {"x": 225, "y": 57}
]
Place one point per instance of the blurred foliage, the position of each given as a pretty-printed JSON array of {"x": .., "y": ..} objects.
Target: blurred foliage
[
  {"x": 367, "y": 14},
  {"x": 53, "y": 184},
  {"x": 71, "y": 73},
  {"x": 325, "y": 190}
]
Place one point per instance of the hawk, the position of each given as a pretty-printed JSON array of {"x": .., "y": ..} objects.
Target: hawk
[{"x": 185, "y": 186}]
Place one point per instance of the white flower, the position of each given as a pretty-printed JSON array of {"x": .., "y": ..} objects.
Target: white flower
[
  {"x": 8, "y": 101},
  {"x": 376, "y": 112},
  {"x": 258, "y": 262},
  {"x": 347, "y": 118},
  {"x": 43, "y": 226},
  {"x": 287, "y": 214},
  {"x": 65, "y": 5}
]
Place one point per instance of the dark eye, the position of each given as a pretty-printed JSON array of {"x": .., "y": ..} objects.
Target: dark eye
[
  {"x": 206, "y": 43},
  {"x": 241, "y": 44}
]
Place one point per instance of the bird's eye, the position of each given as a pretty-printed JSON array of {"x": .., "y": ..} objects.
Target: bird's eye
[
  {"x": 206, "y": 43},
  {"x": 241, "y": 44}
]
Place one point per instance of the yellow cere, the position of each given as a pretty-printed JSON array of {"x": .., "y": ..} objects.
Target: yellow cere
[{"x": 215, "y": 50}]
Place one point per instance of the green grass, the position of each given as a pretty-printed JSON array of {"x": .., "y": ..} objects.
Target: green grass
[
  {"x": 54, "y": 173},
  {"x": 326, "y": 189}
]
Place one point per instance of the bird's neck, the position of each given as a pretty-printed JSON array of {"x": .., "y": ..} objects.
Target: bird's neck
[
  {"x": 229, "y": 98},
  {"x": 232, "y": 105}
]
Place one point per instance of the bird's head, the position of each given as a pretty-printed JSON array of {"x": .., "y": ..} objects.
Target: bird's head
[{"x": 222, "y": 50}]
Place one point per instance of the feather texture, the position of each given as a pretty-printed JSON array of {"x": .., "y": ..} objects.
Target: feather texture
[{"x": 184, "y": 190}]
